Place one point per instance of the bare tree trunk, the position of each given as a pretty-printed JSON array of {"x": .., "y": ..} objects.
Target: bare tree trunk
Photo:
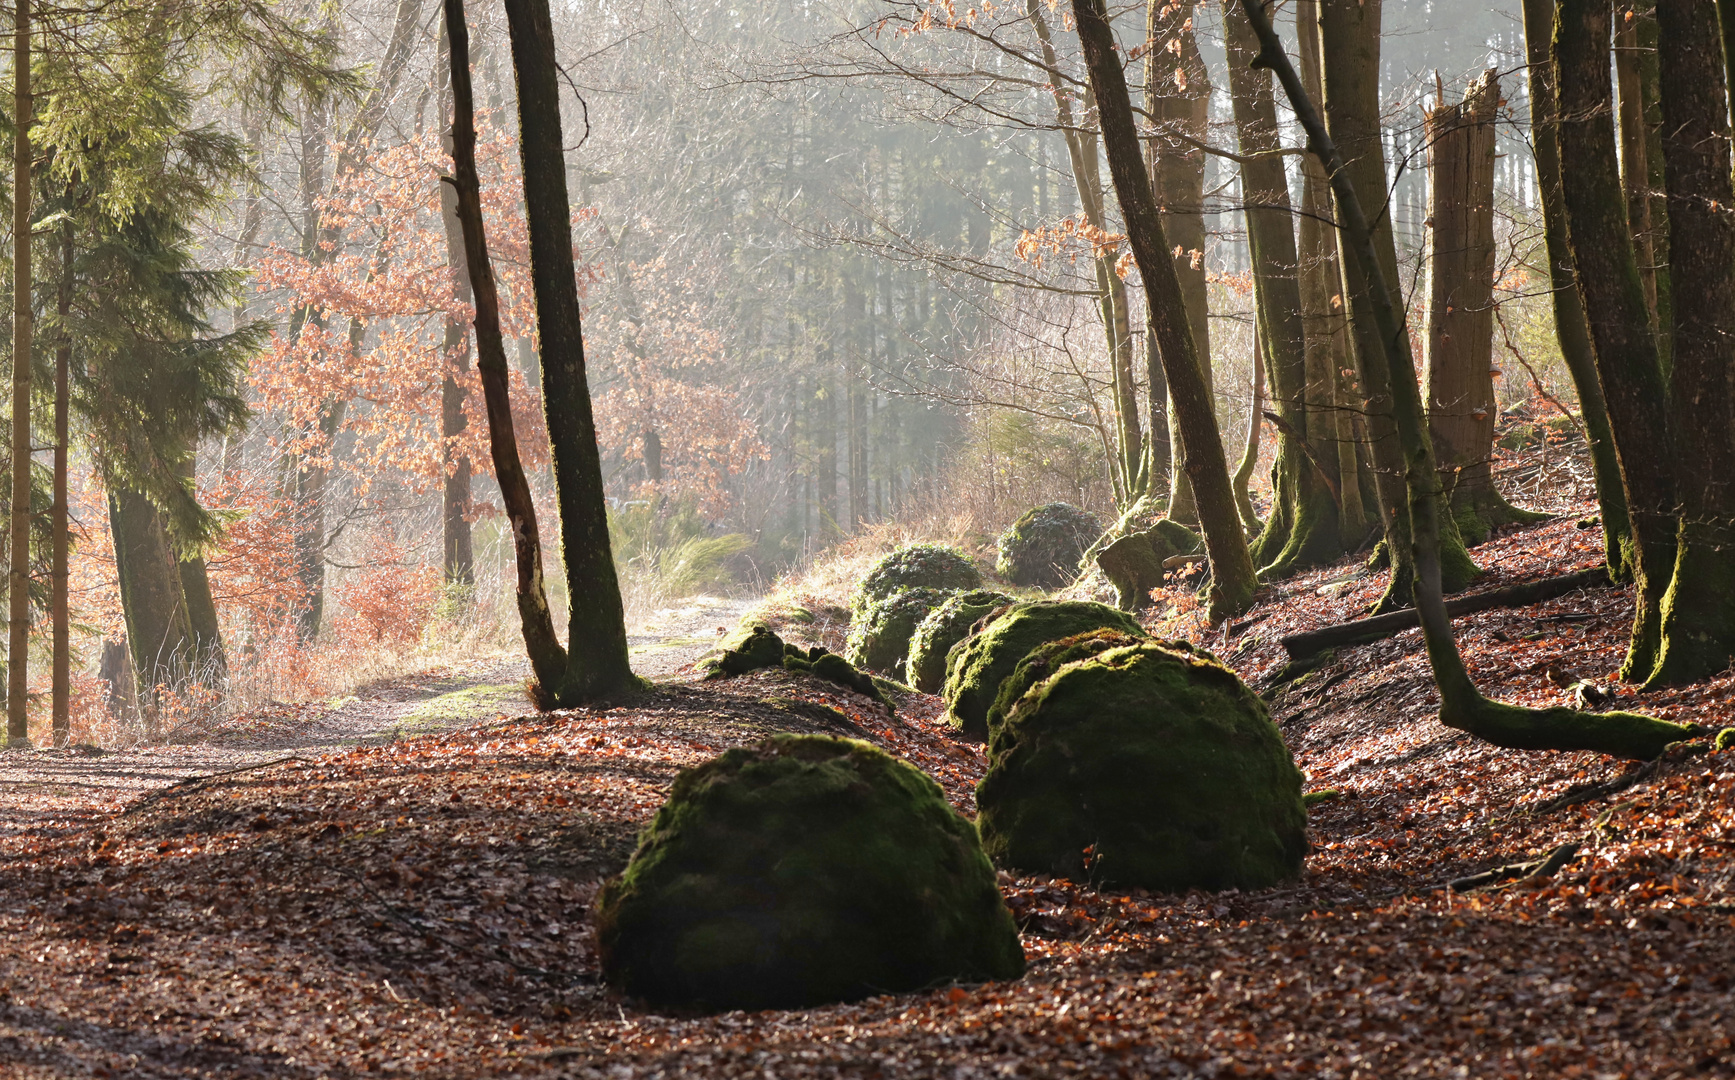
[
  {"x": 1571, "y": 329},
  {"x": 1250, "y": 445},
  {"x": 60, "y": 575},
  {"x": 1614, "y": 300},
  {"x": 1458, "y": 352},
  {"x": 1232, "y": 574},
  {"x": 458, "y": 559},
  {"x": 1635, "y": 147},
  {"x": 547, "y": 658},
  {"x": 153, "y": 599},
  {"x": 1178, "y": 98},
  {"x": 1698, "y": 632},
  {"x": 18, "y": 573},
  {"x": 597, "y": 639}
]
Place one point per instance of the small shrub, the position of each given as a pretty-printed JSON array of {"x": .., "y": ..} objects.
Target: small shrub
[{"x": 1043, "y": 548}]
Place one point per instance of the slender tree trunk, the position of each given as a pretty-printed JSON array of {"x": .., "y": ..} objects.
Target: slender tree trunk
[
  {"x": 1614, "y": 300},
  {"x": 547, "y": 657},
  {"x": 1458, "y": 351},
  {"x": 1571, "y": 329},
  {"x": 1250, "y": 445},
  {"x": 60, "y": 576},
  {"x": 1635, "y": 147},
  {"x": 1461, "y": 705},
  {"x": 1232, "y": 574},
  {"x": 1177, "y": 98},
  {"x": 18, "y": 574},
  {"x": 1698, "y": 613},
  {"x": 1302, "y": 530},
  {"x": 597, "y": 657},
  {"x": 458, "y": 560},
  {"x": 1334, "y": 398},
  {"x": 1350, "y": 50}
]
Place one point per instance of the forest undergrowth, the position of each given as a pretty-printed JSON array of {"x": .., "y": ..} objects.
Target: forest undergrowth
[{"x": 421, "y": 908}]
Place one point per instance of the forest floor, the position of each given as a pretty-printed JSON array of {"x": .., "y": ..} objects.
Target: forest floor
[{"x": 415, "y": 902}]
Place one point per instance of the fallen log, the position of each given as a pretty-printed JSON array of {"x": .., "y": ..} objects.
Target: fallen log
[{"x": 1361, "y": 631}]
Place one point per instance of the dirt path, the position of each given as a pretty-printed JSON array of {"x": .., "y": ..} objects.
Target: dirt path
[{"x": 47, "y": 791}]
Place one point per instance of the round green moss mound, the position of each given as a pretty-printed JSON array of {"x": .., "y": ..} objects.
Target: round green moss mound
[
  {"x": 944, "y": 627},
  {"x": 1044, "y": 547},
  {"x": 879, "y": 638},
  {"x": 975, "y": 668},
  {"x": 930, "y": 566},
  {"x": 1050, "y": 657},
  {"x": 803, "y": 870},
  {"x": 1144, "y": 766}
]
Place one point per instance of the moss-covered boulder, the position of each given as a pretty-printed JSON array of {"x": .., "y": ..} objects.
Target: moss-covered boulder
[
  {"x": 976, "y": 666},
  {"x": 1046, "y": 659},
  {"x": 1143, "y": 766},
  {"x": 879, "y": 638},
  {"x": 917, "y": 566},
  {"x": 1134, "y": 563},
  {"x": 754, "y": 646},
  {"x": 944, "y": 627},
  {"x": 803, "y": 870},
  {"x": 1043, "y": 548}
]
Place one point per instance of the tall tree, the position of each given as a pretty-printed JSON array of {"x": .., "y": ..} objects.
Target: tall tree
[
  {"x": 1627, "y": 361},
  {"x": 1571, "y": 330},
  {"x": 18, "y": 572},
  {"x": 1232, "y": 576},
  {"x": 1462, "y": 706},
  {"x": 1350, "y": 51},
  {"x": 1458, "y": 350},
  {"x": 1698, "y": 617},
  {"x": 594, "y": 661}
]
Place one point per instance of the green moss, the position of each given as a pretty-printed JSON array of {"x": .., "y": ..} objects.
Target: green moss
[
  {"x": 751, "y": 646},
  {"x": 932, "y": 566},
  {"x": 976, "y": 666},
  {"x": 1725, "y": 739},
  {"x": 801, "y": 871},
  {"x": 1134, "y": 563},
  {"x": 1144, "y": 766},
  {"x": 1050, "y": 657},
  {"x": 1044, "y": 547},
  {"x": 944, "y": 627},
  {"x": 879, "y": 638}
]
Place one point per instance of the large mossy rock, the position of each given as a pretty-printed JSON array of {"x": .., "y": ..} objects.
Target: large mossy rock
[
  {"x": 1134, "y": 562},
  {"x": 976, "y": 666},
  {"x": 1046, "y": 659},
  {"x": 1145, "y": 766},
  {"x": 879, "y": 638},
  {"x": 804, "y": 870},
  {"x": 1044, "y": 547},
  {"x": 917, "y": 566},
  {"x": 944, "y": 627}
]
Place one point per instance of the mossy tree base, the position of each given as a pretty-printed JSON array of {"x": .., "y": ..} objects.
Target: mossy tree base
[
  {"x": 1697, "y": 638},
  {"x": 798, "y": 872}
]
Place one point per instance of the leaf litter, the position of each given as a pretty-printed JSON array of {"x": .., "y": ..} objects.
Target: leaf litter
[{"x": 421, "y": 908}]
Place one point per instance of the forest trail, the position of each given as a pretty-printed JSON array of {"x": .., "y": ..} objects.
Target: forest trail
[{"x": 83, "y": 784}]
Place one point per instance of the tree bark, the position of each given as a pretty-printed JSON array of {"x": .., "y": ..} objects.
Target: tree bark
[
  {"x": 1614, "y": 300},
  {"x": 1243, "y": 477},
  {"x": 1177, "y": 99},
  {"x": 1232, "y": 577},
  {"x": 153, "y": 599},
  {"x": 60, "y": 575},
  {"x": 1350, "y": 67},
  {"x": 1571, "y": 329},
  {"x": 1461, "y": 705},
  {"x": 548, "y": 658},
  {"x": 1635, "y": 147},
  {"x": 597, "y": 638},
  {"x": 1458, "y": 351},
  {"x": 457, "y": 553},
  {"x": 1302, "y": 530},
  {"x": 18, "y": 572},
  {"x": 1698, "y": 611}
]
